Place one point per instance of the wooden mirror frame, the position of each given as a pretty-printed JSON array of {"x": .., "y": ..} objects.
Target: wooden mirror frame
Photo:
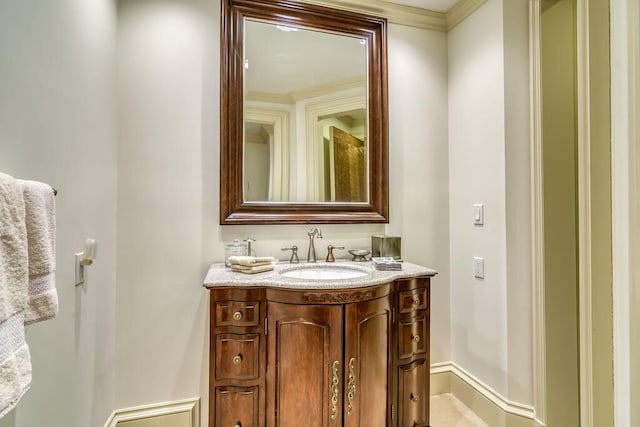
[{"x": 233, "y": 208}]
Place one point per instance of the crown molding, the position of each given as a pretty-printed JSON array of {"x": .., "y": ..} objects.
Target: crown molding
[
  {"x": 460, "y": 11},
  {"x": 408, "y": 15},
  {"x": 394, "y": 13}
]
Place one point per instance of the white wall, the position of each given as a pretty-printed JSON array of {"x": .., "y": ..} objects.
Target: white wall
[
  {"x": 168, "y": 232},
  {"x": 418, "y": 163},
  {"x": 489, "y": 164},
  {"x": 57, "y": 125},
  {"x": 167, "y": 192}
]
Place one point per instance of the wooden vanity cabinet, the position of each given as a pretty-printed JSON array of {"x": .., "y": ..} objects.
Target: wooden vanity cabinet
[
  {"x": 323, "y": 358},
  {"x": 237, "y": 357},
  {"x": 412, "y": 362},
  {"x": 338, "y": 358},
  {"x": 305, "y": 353}
]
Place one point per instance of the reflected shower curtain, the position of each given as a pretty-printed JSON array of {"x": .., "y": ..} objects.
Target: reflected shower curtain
[{"x": 349, "y": 167}]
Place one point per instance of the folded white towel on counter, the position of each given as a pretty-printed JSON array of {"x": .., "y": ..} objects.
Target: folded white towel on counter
[
  {"x": 40, "y": 211},
  {"x": 249, "y": 261},
  {"x": 253, "y": 269},
  {"x": 15, "y": 360}
]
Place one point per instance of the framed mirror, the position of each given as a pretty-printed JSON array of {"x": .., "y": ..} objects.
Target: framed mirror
[{"x": 304, "y": 131}]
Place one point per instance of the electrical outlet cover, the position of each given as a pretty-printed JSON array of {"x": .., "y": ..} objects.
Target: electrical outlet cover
[{"x": 478, "y": 267}]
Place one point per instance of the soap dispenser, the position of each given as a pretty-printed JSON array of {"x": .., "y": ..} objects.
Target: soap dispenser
[
  {"x": 250, "y": 251},
  {"x": 235, "y": 248}
]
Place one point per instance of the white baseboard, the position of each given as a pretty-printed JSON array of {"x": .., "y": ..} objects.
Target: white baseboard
[
  {"x": 491, "y": 406},
  {"x": 446, "y": 377},
  {"x": 182, "y": 413}
]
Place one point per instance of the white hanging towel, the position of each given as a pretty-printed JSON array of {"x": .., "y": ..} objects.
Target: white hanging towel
[
  {"x": 40, "y": 219},
  {"x": 15, "y": 359}
]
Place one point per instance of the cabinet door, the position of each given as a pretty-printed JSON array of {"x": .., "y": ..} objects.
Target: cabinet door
[
  {"x": 367, "y": 364},
  {"x": 304, "y": 365},
  {"x": 413, "y": 394}
]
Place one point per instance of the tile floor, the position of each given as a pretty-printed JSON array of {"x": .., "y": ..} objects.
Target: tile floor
[{"x": 447, "y": 411}]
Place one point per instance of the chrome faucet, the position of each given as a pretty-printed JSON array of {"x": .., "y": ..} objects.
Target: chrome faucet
[{"x": 311, "y": 254}]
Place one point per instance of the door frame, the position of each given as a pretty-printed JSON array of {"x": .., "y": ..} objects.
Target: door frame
[
  {"x": 625, "y": 87},
  {"x": 594, "y": 214},
  {"x": 595, "y": 234},
  {"x": 537, "y": 215}
]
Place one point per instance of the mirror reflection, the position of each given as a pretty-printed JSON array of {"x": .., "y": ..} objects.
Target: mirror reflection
[{"x": 305, "y": 115}]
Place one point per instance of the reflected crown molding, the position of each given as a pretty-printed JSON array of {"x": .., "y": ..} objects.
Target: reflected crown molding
[
  {"x": 309, "y": 92},
  {"x": 408, "y": 15},
  {"x": 273, "y": 98},
  {"x": 329, "y": 88}
]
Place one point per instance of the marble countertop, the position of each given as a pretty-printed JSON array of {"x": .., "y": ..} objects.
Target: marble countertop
[{"x": 219, "y": 275}]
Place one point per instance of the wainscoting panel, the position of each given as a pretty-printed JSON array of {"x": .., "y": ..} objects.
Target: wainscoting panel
[
  {"x": 183, "y": 413},
  {"x": 169, "y": 420}
]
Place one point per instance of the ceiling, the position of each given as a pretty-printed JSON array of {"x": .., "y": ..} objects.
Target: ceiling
[
  {"x": 436, "y": 5},
  {"x": 279, "y": 61}
]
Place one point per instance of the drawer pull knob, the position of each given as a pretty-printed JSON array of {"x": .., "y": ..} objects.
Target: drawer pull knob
[
  {"x": 416, "y": 301},
  {"x": 237, "y": 360},
  {"x": 415, "y": 338},
  {"x": 414, "y": 397},
  {"x": 237, "y": 425},
  {"x": 237, "y": 315}
]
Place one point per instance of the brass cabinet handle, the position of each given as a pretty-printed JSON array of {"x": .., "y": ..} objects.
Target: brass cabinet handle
[
  {"x": 414, "y": 397},
  {"x": 351, "y": 386},
  {"x": 237, "y": 360},
  {"x": 237, "y": 315},
  {"x": 335, "y": 382},
  {"x": 416, "y": 301},
  {"x": 415, "y": 338}
]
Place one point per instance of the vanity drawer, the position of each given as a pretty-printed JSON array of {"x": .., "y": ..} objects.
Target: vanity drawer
[
  {"x": 237, "y": 356},
  {"x": 237, "y": 313},
  {"x": 237, "y": 406},
  {"x": 413, "y": 337},
  {"x": 413, "y": 394},
  {"x": 413, "y": 300}
]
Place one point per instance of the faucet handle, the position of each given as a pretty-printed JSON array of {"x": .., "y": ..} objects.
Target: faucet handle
[
  {"x": 330, "y": 248},
  {"x": 294, "y": 254}
]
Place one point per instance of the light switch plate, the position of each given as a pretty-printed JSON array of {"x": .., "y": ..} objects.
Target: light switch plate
[
  {"x": 478, "y": 214},
  {"x": 80, "y": 270},
  {"x": 478, "y": 267}
]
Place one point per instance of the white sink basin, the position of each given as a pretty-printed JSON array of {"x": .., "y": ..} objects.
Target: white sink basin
[{"x": 325, "y": 273}]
